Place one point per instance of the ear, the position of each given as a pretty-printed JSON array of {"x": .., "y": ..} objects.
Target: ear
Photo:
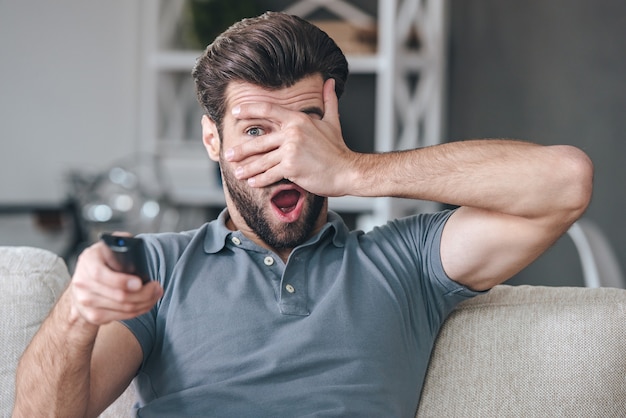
[{"x": 210, "y": 138}]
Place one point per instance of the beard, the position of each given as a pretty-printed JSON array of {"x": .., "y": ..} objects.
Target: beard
[{"x": 252, "y": 205}]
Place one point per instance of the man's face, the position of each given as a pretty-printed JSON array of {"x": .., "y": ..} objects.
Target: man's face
[{"x": 282, "y": 215}]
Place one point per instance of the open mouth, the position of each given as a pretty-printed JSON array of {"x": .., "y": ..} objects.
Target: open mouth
[{"x": 286, "y": 200}]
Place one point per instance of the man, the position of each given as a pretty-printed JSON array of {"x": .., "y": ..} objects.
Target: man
[{"x": 275, "y": 308}]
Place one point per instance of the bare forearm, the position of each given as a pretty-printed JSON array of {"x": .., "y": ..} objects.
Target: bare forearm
[
  {"x": 511, "y": 177},
  {"x": 54, "y": 372}
]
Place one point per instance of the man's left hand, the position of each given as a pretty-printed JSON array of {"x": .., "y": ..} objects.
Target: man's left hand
[{"x": 308, "y": 151}]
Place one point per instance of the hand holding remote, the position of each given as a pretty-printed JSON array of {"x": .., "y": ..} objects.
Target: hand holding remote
[{"x": 127, "y": 255}]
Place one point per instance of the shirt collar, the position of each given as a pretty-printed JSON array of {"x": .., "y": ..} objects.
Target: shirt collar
[{"x": 217, "y": 232}]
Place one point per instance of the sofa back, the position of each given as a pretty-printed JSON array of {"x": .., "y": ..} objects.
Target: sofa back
[
  {"x": 516, "y": 351},
  {"x": 531, "y": 351}
]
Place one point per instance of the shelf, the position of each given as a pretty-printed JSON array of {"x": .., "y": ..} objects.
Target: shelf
[
  {"x": 183, "y": 61},
  {"x": 408, "y": 96}
]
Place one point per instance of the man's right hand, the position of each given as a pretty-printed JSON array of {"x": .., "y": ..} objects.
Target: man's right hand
[
  {"x": 101, "y": 295},
  {"x": 84, "y": 356}
]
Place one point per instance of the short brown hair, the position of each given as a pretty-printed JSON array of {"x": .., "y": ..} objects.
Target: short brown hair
[{"x": 273, "y": 51}]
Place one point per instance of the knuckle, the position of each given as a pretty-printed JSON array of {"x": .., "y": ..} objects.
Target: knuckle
[
  {"x": 118, "y": 296},
  {"x": 92, "y": 315},
  {"x": 290, "y": 167},
  {"x": 78, "y": 294},
  {"x": 84, "y": 256},
  {"x": 85, "y": 300},
  {"x": 290, "y": 149}
]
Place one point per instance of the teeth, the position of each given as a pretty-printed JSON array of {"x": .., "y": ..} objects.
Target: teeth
[{"x": 287, "y": 209}]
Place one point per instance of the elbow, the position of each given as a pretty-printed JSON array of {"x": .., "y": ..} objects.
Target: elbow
[{"x": 577, "y": 180}]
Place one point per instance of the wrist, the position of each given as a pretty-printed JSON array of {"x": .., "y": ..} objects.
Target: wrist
[
  {"x": 75, "y": 327},
  {"x": 364, "y": 178}
]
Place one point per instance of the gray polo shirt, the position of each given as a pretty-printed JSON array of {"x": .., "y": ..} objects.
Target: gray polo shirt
[{"x": 344, "y": 328}]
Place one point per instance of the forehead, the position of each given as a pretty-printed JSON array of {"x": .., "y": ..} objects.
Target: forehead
[{"x": 306, "y": 92}]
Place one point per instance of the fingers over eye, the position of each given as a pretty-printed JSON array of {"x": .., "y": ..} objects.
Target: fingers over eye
[{"x": 258, "y": 146}]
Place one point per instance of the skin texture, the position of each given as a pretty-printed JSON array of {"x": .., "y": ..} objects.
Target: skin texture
[{"x": 515, "y": 199}]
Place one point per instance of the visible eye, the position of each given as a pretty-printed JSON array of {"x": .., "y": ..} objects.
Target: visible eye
[{"x": 255, "y": 131}]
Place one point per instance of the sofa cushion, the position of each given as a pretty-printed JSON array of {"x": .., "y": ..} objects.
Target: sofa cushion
[
  {"x": 531, "y": 351},
  {"x": 31, "y": 280}
]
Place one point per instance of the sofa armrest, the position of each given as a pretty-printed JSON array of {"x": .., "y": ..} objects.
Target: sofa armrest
[
  {"x": 531, "y": 351},
  {"x": 31, "y": 280}
]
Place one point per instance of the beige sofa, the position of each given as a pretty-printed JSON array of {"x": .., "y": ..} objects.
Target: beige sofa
[{"x": 514, "y": 352}]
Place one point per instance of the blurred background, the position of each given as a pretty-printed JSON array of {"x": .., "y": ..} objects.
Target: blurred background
[{"x": 100, "y": 129}]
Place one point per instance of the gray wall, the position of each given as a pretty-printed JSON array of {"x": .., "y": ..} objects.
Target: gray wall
[
  {"x": 69, "y": 72},
  {"x": 550, "y": 71},
  {"x": 553, "y": 72}
]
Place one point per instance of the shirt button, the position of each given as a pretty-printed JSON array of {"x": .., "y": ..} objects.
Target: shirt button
[
  {"x": 236, "y": 240},
  {"x": 290, "y": 288},
  {"x": 268, "y": 261}
]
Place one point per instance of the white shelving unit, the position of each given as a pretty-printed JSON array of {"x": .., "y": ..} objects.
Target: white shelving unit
[{"x": 409, "y": 95}]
